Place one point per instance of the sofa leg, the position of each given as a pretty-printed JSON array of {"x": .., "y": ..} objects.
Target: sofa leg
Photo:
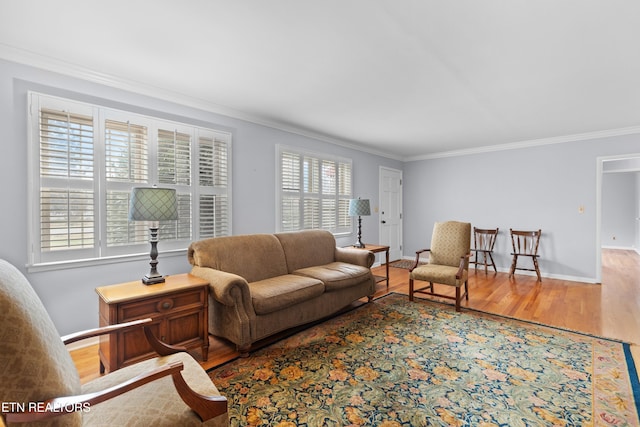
[
  {"x": 244, "y": 350},
  {"x": 369, "y": 298}
]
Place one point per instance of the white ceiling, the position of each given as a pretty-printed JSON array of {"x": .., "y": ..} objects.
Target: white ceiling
[{"x": 405, "y": 78}]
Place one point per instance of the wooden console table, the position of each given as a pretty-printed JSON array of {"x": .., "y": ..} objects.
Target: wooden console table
[
  {"x": 178, "y": 308},
  {"x": 376, "y": 249}
]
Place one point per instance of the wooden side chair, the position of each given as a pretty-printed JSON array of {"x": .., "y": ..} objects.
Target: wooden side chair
[
  {"x": 39, "y": 378},
  {"x": 483, "y": 241},
  {"x": 448, "y": 261},
  {"x": 525, "y": 244}
]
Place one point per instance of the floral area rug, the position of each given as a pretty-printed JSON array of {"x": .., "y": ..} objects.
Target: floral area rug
[{"x": 393, "y": 362}]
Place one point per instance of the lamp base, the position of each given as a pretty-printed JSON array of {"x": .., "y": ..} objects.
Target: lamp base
[
  {"x": 152, "y": 280},
  {"x": 358, "y": 245}
]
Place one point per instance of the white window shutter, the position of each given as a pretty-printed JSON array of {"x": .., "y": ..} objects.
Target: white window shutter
[
  {"x": 86, "y": 167},
  {"x": 314, "y": 192}
]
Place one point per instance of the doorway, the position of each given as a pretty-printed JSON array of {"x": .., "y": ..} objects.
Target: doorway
[
  {"x": 623, "y": 164},
  {"x": 390, "y": 214}
]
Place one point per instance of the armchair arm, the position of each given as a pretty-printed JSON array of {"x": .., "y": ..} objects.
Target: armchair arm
[
  {"x": 418, "y": 252},
  {"x": 355, "y": 256},
  {"x": 462, "y": 265},
  {"x": 63, "y": 405},
  {"x": 163, "y": 349},
  {"x": 206, "y": 407},
  {"x": 78, "y": 336}
]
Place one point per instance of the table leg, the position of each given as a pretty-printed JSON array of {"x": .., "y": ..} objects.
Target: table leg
[{"x": 387, "y": 267}]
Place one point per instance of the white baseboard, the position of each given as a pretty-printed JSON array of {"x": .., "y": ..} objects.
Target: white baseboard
[
  {"x": 580, "y": 279},
  {"x": 622, "y": 248}
]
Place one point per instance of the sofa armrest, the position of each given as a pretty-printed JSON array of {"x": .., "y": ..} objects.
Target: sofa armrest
[
  {"x": 227, "y": 288},
  {"x": 355, "y": 256}
]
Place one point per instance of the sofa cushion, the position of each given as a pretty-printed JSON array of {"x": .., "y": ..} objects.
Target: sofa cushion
[
  {"x": 281, "y": 292},
  {"x": 253, "y": 257},
  {"x": 307, "y": 248},
  {"x": 336, "y": 275}
]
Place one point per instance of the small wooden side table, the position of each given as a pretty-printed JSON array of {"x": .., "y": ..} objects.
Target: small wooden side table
[
  {"x": 376, "y": 249},
  {"x": 178, "y": 308}
]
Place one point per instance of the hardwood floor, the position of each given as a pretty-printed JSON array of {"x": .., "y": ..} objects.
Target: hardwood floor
[{"x": 609, "y": 310}]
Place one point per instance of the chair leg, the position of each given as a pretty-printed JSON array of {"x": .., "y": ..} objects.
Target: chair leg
[
  {"x": 493, "y": 262},
  {"x": 535, "y": 265},
  {"x": 513, "y": 265},
  {"x": 457, "y": 298},
  {"x": 466, "y": 290},
  {"x": 484, "y": 257},
  {"x": 410, "y": 289}
]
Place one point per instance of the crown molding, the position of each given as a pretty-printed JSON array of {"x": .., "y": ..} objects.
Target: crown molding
[
  {"x": 530, "y": 143},
  {"x": 55, "y": 65},
  {"x": 52, "y": 64}
]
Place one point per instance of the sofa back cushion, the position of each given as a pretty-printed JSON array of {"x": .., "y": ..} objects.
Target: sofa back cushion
[
  {"x": 307, "y": 248},
  {"x": 253, "y": 257}
]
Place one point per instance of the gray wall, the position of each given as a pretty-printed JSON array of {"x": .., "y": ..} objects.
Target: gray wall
[
  {"x": 68, "y": 294},
  {"x": 526, "y": 188},
  {"x": 619, "y": 210}
]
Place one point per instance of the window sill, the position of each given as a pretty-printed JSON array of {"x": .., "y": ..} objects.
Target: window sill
[{"x": 82, "y": 263}]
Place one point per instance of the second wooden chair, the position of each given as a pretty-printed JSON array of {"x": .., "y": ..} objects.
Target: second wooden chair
[
  {"x": 483, "y": 241},
  {"x": 525, "y": 243}
]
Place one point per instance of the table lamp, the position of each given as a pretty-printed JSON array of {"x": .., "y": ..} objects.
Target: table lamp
[
  {"x": 359, "y": 207},
  {"x": 153, "y": 204}
]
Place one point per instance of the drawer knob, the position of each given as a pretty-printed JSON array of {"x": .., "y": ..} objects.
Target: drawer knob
[{"x": 164, "y": 305}]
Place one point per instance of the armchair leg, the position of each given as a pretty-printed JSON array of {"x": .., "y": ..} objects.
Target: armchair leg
[
  {"x": 410, "y": 289},
  {"x": 457, "y": 298}
]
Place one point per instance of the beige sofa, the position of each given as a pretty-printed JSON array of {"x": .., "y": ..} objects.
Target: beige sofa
[{"x": 262, "y": 284}]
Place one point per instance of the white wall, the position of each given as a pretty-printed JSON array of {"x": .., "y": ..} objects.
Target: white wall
[
  {"x": 527, "y": 188},
  {"x": 619, "y": 210},
  {"x": 68, "y": 294}
]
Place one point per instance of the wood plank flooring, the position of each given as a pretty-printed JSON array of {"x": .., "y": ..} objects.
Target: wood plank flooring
[{"x": 610, "y": 309}]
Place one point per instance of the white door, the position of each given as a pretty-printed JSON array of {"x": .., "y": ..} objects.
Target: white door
[{"x": 391, "y": 211}]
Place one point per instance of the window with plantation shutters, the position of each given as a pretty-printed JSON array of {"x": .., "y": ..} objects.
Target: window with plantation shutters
[
  {"x": 314, "y": 191},
  {"x": 84, "y": 161},
  {"x": 66, "y": 191},
  {"x": 213, "y": 182}
]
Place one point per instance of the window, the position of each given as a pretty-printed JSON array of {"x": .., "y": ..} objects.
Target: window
[
  {"x": 84, "y": 161},
  {"x": 314, "y": 191}
]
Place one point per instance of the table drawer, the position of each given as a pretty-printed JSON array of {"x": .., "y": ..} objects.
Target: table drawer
[{"x": 161, "y": 305}]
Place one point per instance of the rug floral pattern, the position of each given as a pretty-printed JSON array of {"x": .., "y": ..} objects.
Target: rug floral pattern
[{"x": 398, "y": 363}]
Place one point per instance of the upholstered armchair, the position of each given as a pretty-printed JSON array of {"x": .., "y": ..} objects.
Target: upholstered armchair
[
  {"x": 448, "y": 261},
  {"x": 39, "y": 383}
]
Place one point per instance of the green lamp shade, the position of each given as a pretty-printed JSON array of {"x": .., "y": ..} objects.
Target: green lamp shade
[
  {"x": 153, "y": 204},
  {"x": 359, "y": 207}
]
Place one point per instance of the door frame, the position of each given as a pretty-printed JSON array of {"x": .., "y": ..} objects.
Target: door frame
[{"x": 400, "y": 201}]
